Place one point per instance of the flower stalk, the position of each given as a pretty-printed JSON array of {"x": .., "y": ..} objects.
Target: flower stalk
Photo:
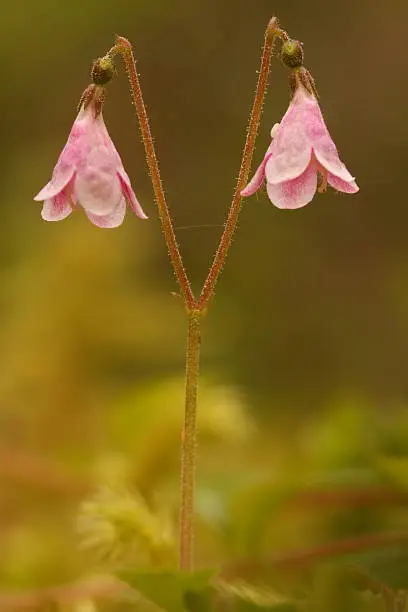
[
  {"x": 231, "y": 224},
  {"x": 124, "y": 47}
]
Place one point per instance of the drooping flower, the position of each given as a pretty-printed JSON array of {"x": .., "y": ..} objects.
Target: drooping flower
[
  {"x": 89, "y": 173},
  {"x": 301, "y": 149}
]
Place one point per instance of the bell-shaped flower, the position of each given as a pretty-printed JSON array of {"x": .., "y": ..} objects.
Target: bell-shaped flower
[
  {"x": 301, "y": 149},
  {"x": 89, "y": 173}
]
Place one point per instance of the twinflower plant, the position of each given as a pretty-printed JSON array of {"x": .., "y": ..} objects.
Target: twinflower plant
[{"x": 89, "y": 174}]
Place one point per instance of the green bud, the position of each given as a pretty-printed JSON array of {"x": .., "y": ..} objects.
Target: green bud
[
  {"x": 103, "y": 70},
  {"x": 292, "y": 53}
]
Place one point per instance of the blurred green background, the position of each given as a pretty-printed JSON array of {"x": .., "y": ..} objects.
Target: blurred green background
[{"x": 305, "y": 347}]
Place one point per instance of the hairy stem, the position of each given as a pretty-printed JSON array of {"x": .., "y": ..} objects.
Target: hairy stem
[
  {"x": 232, "y": 219},
  {"x": 124, "y": 47},
  {"x": 195, "y": 308},
  {"x": 189, "y": 442}
]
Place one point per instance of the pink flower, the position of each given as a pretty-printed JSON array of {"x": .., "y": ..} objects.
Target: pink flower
[
  {"x": 89, "y": 173},
  {"x": 301, "y": 148}
]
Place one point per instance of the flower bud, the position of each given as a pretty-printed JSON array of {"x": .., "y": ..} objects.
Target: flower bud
[
  {"x": 292, "y": 53},
  {"x": 103, "y": 70}
]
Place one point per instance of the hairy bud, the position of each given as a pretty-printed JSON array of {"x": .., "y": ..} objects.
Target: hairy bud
[
  {"x": 292, "y": 53},
  {"x": 103, "y": 70}
]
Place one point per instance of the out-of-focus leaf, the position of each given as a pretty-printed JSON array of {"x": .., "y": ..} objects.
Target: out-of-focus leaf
[
  {"x": 395, "y": 469},
  {"x": 116, "y": 523},
  {"x": 170, "y": 590},
  {"x": 253, "y": 510},
  {"x": 388, "y": 567},
  {"x": 245, "y": 597},
  {"x": 247, "y": 606},
  {"x": 341, "y": 439},
  {"x": 198, "y": 601},
  {"x": 333, "y": 590},
  {"x": 147, "y": 423}
]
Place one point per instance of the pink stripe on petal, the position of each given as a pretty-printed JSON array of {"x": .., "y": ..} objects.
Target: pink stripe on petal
[
  {"x": 130, "y": 195},
  {"x": 114, "y": 219},
  {"x": 56, "y": 209},
  {"x": 340, "y": 185},
  {"x": 257, "y": 180},
  {"x": 295, "y": 193},
  {"x": 61, "y": 177}
]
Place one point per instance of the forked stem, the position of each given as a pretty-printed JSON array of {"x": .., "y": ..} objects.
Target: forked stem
[
  {"x": 195, "y": 308},
  {"x": 254, "y": 120}
]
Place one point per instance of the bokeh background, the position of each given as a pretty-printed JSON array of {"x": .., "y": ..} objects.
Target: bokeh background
[{"x": 304, "y": 395}]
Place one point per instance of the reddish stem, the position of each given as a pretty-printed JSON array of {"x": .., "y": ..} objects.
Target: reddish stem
[
  {"x": 254, "y": 119},
  {"x": 124, "y": 47}
]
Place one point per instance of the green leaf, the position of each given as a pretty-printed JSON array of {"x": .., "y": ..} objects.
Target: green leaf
[{"x": 172, "y": 591}]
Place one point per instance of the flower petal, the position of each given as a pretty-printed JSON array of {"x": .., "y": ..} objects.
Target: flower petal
[
  {"x": 130, "y": 195},
  {"x": 327, "y": 155},
  {"x": 288, "y": 163},
  {"x": 97, "y": 187},
  {"x": 113, "y": 219},
  {"x": 340, "y": 185},
  {"x": 56, "y": 209},
  {"x": 291, "y": 147},
  {"x": 295, "y": 193},
  {"x": 257, "y": 180},
  {"x": 61, "y": 176}
]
